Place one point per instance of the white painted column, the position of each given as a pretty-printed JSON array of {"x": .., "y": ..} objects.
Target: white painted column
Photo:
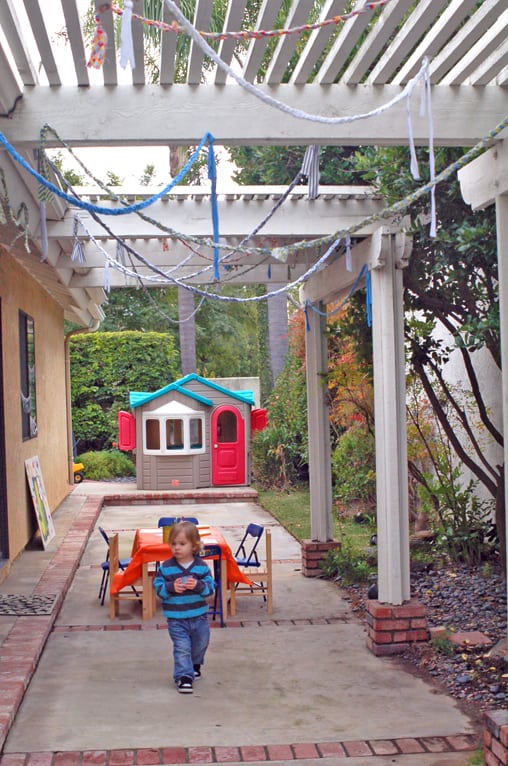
[
  {"x": 390, "y": 419},
  {"x": 320, "y": 470},
  {"x": 502, "y": 260}
]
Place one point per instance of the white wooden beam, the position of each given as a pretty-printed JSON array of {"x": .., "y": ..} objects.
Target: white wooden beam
[
  {"x": 255, "y": 52},
  {"x": 484, "y": 18},
  {"x": 151, "y": 115},
  {"x": 256, "y": 275},
  {"x": 475, "y": 56},
  {"x": 12, "y": 28},
  {"x": 286, "y": 45},
  {"x": 306, "y": 218},
  {"x": 376, "y": 39},
  {"x": 317, "y": 42},
  {"x": 233, "y": 22},
  {"x": 486, "y": 177}
]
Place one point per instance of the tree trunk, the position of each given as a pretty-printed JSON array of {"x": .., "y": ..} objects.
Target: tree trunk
[{"x": 187, "y": 331}]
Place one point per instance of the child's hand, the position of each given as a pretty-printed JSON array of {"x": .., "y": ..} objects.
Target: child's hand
[
  {"x": 185, "y": 583},
  {"x": 181, "y": 584}
]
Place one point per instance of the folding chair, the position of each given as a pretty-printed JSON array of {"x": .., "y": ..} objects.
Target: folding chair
[
  {"x": 214, "y": 551},
  {"x": 168, "y": 521},
  {"x": 144, "y": 593},
  {"x": 245, "y": 557},
  {"x": 122, "y": 563},
  {"x": 261, "y": 581}
]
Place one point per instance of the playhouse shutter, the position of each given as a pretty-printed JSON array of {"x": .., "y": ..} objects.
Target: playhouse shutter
[
  {"x": 126, "y": 431},
  {"x": 258, "y": 420}
]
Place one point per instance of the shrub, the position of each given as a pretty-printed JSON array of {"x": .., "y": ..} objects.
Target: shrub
[
  {"x": 354, "y": 467},
  {"x": 105, "y": 367},
  {"x": 347, "y": 565},
  {"x": 106, "y": 464}
]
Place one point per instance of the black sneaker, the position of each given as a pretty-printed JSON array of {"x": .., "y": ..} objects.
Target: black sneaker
[
  {"x": 184, "y": 685},
  {"x": 197, "y": 671}
]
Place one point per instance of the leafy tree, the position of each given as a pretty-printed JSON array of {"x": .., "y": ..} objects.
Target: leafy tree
[
  {"x": 451, "y": 282},
  {"x": 226, "y": 332},
  {"x": 280, "y": 452},
  {"x": 279, "y": 165},
  {"x": 105, "y": 367}
]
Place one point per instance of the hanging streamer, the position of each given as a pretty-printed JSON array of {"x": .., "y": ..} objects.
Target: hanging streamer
[
  {"x": 99, "y": 43},
  {"x": 364, "y": 272},
  {"x": 349, "y": 265},
  {"x": 44, "y": 196},
  {"x": 368, "y": 295},
  {"x": 120, "y": 252},
  {"x": 306, "y": 312},
  {"x": 212, "y": 175},
  {"x": 310, "y": 168},
  {"x": 432, "y": 159},
  {"x": 44, "y": 231},
  {"x": 127, "y": 47},
  {"x": 107, "y": 277},
  {"x": 415, "y": 171},
  {"x": 78, "y": 252}
]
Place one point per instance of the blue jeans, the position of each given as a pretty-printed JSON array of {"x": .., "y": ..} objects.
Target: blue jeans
[{"x": 190, "y": 637}]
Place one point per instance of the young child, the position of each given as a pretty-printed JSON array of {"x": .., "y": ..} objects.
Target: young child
[{"x": 183, "y": 582}]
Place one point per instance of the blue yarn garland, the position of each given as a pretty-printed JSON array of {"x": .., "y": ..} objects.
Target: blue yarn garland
[
  {"x": 212, "y": 175},
  {"x": 207, "y": 138},
  {"x": 364, "y": 272}
]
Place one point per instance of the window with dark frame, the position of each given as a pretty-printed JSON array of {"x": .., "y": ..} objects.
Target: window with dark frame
[{"x": 27, "y": 376}]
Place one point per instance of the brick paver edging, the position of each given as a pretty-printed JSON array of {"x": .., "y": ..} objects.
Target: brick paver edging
[
  {"x": 245, "y": 753},
  {"x": 22, "y": 647}
]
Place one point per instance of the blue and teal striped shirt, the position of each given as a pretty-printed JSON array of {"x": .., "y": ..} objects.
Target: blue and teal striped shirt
[{"x": 191, "y": 603}]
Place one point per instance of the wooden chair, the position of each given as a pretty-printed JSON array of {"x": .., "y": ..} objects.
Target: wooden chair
[
  {"x": 143, "y": 591},
  {"x": 262, "y": 580}
]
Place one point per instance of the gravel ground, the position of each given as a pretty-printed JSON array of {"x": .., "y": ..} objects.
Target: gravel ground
[{"x": 460, "y": 599}]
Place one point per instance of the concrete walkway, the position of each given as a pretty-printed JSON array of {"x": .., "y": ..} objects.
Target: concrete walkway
[{"x": 297, "y": 685}]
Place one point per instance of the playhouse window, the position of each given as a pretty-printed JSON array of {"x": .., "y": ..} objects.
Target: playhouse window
[
  {"x": 165, "y": 434},
  {"x": 174, "y": 433}
]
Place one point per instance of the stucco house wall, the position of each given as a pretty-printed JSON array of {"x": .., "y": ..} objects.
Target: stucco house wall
[{"x": 19, "y": 291}]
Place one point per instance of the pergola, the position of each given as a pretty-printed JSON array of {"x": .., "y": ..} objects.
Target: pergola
[{"x": 346, "y": 68}]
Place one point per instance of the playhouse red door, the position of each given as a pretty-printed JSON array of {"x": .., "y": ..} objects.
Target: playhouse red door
[{"x": 228, "y": 447}]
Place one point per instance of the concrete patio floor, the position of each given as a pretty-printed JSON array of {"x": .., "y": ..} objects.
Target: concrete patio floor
[{"x": 299, "y": 684}]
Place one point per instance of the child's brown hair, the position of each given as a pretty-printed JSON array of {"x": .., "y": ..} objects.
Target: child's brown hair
[{"x": 190, "y": 531}]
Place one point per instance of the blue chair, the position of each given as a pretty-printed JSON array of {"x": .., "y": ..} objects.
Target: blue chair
[
  {"x": 168, "y": 521},
  {"x": 214, "y": 551},
  {"x": 123, "y": 563},
  {"x": 252, "y": 536}
]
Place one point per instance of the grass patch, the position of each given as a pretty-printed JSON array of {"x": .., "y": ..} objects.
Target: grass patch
[{"x": 292, "y": 509}]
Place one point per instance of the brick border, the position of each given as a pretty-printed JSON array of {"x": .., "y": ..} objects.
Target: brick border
[
  {"x": 181, "y": 497},
  {"x": 245, "y": 753},
  {"x": 19, "y": 655},
  {"x": 495, "y": 737}
]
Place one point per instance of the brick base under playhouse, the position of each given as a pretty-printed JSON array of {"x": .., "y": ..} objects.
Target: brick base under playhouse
[{"x": 392, "y": 629}]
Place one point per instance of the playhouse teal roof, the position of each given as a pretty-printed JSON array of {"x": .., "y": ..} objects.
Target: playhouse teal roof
[{"x": 138, "y": 398}]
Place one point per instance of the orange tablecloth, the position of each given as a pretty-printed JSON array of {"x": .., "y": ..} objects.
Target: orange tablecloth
[{"x": 148, "y": 546}]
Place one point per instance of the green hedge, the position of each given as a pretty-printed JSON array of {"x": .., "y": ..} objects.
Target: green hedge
[{"x": 105, "y": 367}]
